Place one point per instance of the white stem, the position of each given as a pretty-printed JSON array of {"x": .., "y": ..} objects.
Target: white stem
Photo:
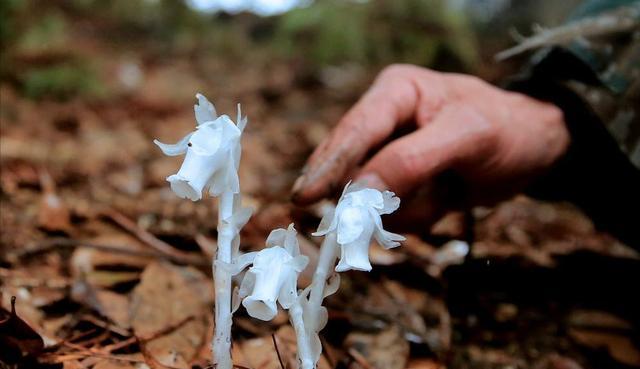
[
  {"x": 305, "y": 356},
  {"x": 222, "y": 279},
  {"x": 326, "y": 263}
]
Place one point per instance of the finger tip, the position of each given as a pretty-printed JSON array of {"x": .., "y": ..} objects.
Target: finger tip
[
  {"x": 307, "y": 194},
  {"x": 372, "y": 180}
]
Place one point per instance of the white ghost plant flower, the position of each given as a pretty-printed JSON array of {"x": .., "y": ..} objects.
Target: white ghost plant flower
[
  {"x": 211, "y": 163},
  {"x": 356, "y": 220},
  {"x": 212, "y": 154},
  {"x": 274, "y": 275}
]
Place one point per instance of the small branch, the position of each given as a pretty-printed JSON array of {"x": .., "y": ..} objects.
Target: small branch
[
  {"x": 275, "y": 345},
  {"x": 53, "y": 243},
  {"x": 359, "y": 359},
  {"x": 150, "y": 240}
]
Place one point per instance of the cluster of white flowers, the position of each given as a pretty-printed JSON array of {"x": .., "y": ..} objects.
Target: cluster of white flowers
[{"x": 211, "y": 163}]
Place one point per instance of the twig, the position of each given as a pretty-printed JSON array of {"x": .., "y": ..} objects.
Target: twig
[
  {"x": 73, "y": 338},
  {"x": 359, "y": 358},
  {"x": 104, "y": 325},
  {"x": 54, "y": 243},
  {"x": 151, "y": 240},
  {"x": 88, "y": 353},
  {"x": 167, "y": 330},
  {"x": 275, "y": 345},
  {"x": 22, "y": 281}
]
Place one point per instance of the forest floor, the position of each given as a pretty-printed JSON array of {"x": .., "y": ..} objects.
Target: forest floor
[{"x": 110, "y": 270}]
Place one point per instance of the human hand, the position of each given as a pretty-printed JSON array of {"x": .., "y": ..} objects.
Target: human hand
[{"x": 495, "y": 141}]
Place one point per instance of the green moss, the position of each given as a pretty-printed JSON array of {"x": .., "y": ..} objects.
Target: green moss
[
  {"x": 376, "y": 33},
  {"x": 61, "y": 81}
]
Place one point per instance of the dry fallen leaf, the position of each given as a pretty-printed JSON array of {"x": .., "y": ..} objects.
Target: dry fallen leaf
[
  {"x": 169, "y": 314},
  {"x": 260, "y": 352},
  {"x": 18, "y": 341},
  {"x": 598, "y": 329},
  {"x": 114, "y": 364},
  {"x": 424, "y": 364},
  {"x": 386, "y": 349}
]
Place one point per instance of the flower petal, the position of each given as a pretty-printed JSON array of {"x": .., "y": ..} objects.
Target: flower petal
[
  {"x": 242, "y": 262},
  {"x": 235, "y": 299},
  {"x": 194, "y": 174},
  {"x": 176, "y": 149},
  {"x": 260, "y": 309},
  {"x": 240, "y": 121},
  {"x": 183, "y": 188},
  {"x": 204, "y": 110},
  {"x": 291, "y": 241},
  {"x": 276, "y": 237},
  {"x": 327, "y": 223},
  {"x": 391, "y": 203},
  {"x": 207, "y": 139},
  {"x": 288, "y": 293},
  {"x": 225, "y": 179},
  {"x": 366, "y": 197},
  {"x": 299, "y": 263},
  {"x": 333, "y": 283},
  {"x": 355, "y": 255},
  {"x": 386, "y": 239},
  {"x": 247, "y": 285},
  {"x": 351, "y": 224}
]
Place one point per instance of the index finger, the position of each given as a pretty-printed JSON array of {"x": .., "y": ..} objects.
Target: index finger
[{"x": 391, "y": 99}]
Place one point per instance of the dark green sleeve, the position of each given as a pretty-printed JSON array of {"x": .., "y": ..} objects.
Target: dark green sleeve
[{"x": 592, "y": 73}]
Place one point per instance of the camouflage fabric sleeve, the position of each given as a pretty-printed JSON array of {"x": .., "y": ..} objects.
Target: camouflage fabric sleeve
[
  {"x": 589, "y": 67},
  {"x": 603, "y": 38}
]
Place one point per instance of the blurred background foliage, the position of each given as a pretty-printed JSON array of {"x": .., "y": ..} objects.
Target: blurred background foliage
[{"x": 48, "y": 46}]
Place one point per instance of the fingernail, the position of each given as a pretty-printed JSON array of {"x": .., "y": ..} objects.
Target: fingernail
[
  {"x": 299, "y": 183},
  {"x": 372, "y": 180}
]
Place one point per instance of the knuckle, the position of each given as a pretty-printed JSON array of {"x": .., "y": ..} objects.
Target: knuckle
[
  {"x": 470, "y": 80},
  {"x": 397, "y": 70}
]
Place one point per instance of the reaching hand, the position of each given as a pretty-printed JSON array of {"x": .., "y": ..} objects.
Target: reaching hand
[{"x": 494, "y": 140}]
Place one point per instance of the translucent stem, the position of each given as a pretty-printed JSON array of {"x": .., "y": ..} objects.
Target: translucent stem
[
  {"x": 305, "y": 356},
  {"x": 326, "y": 263},
  {"x": 222, "y": 279}
]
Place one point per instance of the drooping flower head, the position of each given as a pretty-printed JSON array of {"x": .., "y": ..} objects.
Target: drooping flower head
[
  {"x": 212, "y": 154},
  {"x": 356, "y": 220},
  {"x": 274, "y": 275}
]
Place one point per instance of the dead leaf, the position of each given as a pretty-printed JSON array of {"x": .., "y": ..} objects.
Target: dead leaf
[
  {"x": 260, "y": 353},
  {"x": 383, "y": 350},
  {"x": 169, "y": 298},
  {"x": 18, "y": 340},
  {"x": 106, "y": 269},
  {"x": 620, "y": 347},
  {"x": 113, "y": 364},
  {"x": 555, "y": 361},
  {"x": 599, "y": 329},
  {"x": 424, "y": 364}
]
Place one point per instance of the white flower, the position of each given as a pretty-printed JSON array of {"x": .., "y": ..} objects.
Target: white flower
[
  {"x": 274, "y": 275},
  {"x": 212, "y": 154},
  {"x": 356, "y": 220}
]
